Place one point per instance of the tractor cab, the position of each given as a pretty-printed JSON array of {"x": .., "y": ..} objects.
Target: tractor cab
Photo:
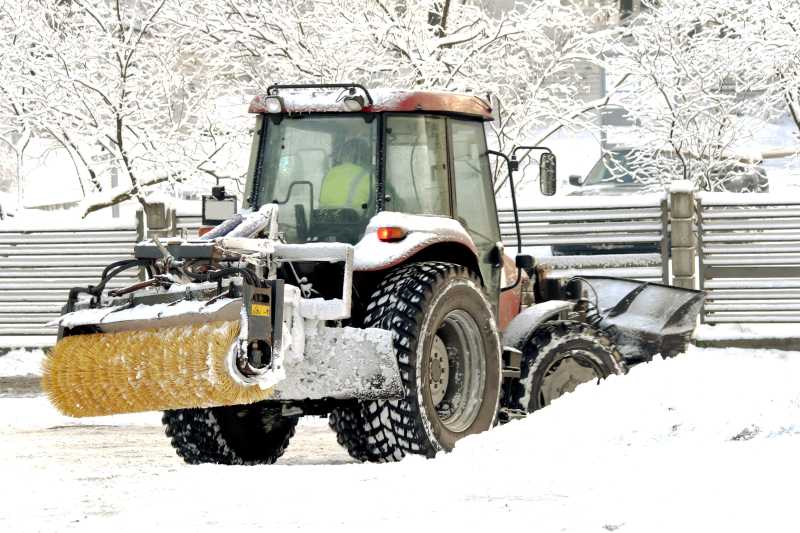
[{"x": 331, "y": 157}]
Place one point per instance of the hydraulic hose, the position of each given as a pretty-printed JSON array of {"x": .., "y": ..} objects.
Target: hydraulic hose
[{"x": 217, "y": 275}]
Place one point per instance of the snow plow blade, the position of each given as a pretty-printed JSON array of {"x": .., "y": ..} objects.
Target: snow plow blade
[{"x": 644, "y": 318}]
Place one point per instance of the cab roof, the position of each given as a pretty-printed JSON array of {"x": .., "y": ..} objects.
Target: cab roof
[{"x": 327, "y": 99}]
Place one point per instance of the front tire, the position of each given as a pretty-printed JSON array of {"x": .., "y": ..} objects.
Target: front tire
[
  {"x": 448, "y": 353},
  {"x": 560, "y": 356},
  {"x": 234, "y": 435}
]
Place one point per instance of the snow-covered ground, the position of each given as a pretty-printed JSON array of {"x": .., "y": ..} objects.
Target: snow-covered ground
[
  {"x": 704, "y": 442},
  {"x": 720, "y": 332},
  {"x": 21, "y": 363}
]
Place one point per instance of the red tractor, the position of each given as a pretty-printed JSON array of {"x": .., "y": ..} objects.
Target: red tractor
[{"x": 365, "y": 279}]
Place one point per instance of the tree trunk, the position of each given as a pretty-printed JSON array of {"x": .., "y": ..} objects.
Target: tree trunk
[{"x": 20, "y": 179}]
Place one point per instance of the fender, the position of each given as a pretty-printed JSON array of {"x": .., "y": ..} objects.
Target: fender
[
  {"x": 522, "y": 327},
  {"x": 423, "y": 231}
]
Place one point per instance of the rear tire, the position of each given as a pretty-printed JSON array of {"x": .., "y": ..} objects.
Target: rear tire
[
  {"x": 560, "y": 356},
  {"x": 235, "y": 435},
  {"x": 449, "y": 358}
]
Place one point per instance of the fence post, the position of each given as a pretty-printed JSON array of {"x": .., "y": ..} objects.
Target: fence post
[
  {"x": 141, "y": 233},
  {"x": 681, "y": 213},
  {"x": 664, "y": 247},
  {"x": 160, "y": 220}
]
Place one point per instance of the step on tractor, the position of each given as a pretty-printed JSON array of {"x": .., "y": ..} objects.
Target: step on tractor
[{"x": 364, "y": 279}]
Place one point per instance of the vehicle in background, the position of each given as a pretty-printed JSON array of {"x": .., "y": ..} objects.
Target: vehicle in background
[
  {"x": 625, "y": 170},
  {"x": 7, "y": 205}
]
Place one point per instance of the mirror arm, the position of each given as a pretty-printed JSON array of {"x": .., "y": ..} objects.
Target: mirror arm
[
  {"x": 529, "y": 150},
  {"x": 513, "y": 195}
]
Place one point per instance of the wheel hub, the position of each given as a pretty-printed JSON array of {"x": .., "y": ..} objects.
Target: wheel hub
[
  {"x": 439, "y": 370},
  {"x": 565, "y": 375},
  {"x": 456, "y": 371}
]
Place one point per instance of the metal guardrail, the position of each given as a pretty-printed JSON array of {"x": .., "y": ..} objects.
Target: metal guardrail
[
  {"x": 749, "y": 257},
  {"x": 748, "y": 254},
  {"x": 596, "y": 224},
  {"x": 39, "y": 266}
]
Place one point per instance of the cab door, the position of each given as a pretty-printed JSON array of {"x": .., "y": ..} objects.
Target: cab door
[
  {"x": 474, "y": 197},
  {"x": 417, "y": 177}
]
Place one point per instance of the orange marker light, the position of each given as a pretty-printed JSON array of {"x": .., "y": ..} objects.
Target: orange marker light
[{"x": 391, "y": 234}]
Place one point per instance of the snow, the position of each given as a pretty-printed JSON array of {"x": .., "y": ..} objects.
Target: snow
[
  {"x": 587, "y": 202},
  {"x": 738, "y": 199},
  {"x": 322, "y": 309},
  {"x": 21, "y": 363},
  {"x": 332, "y": 100},
  {"x": 681, "y": 186},
  {"x": 709, "y": 332},
  {"x": 313, "y": 251},
  {"x": 342, "y": 363},
  {"x": 423, "y": 230},
  {"x": 108, "y": 315},
  {"x": 255, "y": 222},
  {"x": 674, "y": 446}
]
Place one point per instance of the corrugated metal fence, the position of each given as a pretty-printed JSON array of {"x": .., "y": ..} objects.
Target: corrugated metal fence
[
  {"x": 748, "y": 254},
  {"x": 749, "y": 257},
  {"x": 592, "y": 235},
  {"x": 38, "y": 266}
]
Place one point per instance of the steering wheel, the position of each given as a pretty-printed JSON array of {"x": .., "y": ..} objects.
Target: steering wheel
[
  {"x": 300, "y": 222},
  {"x": 342, "y": 223}
]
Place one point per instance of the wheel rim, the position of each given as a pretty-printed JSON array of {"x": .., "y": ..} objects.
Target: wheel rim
[
  {"x": 566, "y": 373},
  {"x": 457, "y": 371}
]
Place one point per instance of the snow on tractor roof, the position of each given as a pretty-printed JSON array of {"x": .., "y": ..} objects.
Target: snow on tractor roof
[{"x": 322, "y": 100}]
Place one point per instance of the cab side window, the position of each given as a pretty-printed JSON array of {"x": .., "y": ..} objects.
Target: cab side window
[
  {"x": 475, "y": 207},
  {"x": 416, "y": 165}
]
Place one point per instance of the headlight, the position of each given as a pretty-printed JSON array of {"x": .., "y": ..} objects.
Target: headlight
[
  {"x": 274, "y": 104},
  {"x": 354, "y": 103}
]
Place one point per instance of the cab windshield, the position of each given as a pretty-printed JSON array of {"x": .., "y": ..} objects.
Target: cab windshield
[{"x": 321, "y": 171}]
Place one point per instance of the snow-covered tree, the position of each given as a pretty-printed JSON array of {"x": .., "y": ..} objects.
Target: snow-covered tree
[
  {"x": 771, "y": 33},
  {"x": 687, "y": 91},
  {"x": 16, "y": 89},
  {"x": 702, "y": 78},
  {"x": 129, "y": 93},
  {"x": 525, "y": 58}
]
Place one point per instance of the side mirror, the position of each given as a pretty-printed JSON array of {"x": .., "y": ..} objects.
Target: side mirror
[
  {"x": 547, "y": 174},
  {"x": 575, "y": 180}
]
